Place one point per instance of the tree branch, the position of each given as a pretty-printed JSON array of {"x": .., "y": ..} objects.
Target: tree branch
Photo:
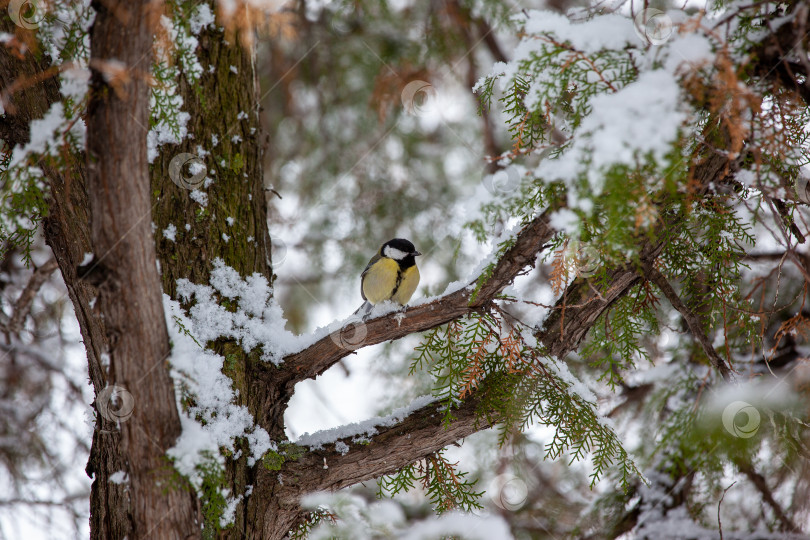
[
  {"x": 786, "y": 524},
  {"x": 44, "y": 361},
  {"x": 771, "y": 59},
  {"x": 23, "y": 102},
  {"x": 23, "y": 304},
  {"x": 582, "y": 304},
  {"x": 692, "y": 321},
  {"x": 488, "y": 35},
  {"x": 424, "y": 432},
  {"x": 392, "y": 448}
]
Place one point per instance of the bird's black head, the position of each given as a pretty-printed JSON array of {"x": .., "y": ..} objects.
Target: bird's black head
[{"x": 401, "y": 250}]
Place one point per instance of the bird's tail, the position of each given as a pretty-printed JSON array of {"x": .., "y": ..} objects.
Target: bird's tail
[{"x": 364, "y": 309}]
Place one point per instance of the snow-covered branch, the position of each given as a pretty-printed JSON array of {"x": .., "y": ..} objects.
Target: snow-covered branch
[
  {"x": 327, "y": 351},
  {"x": 350, "y": 459},
  {"x": 423, "y": 431}
]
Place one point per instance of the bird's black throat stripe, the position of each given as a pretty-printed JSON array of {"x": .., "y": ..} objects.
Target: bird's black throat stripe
[{"x": 397, "y": 284}]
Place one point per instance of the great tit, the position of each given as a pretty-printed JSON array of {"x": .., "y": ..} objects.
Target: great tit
[{"x": 391, "y": 274}]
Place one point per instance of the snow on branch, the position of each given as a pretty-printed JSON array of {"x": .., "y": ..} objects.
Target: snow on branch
[
  {"x": 360, "y": 432},
  {"x": 347, "y": 462}
]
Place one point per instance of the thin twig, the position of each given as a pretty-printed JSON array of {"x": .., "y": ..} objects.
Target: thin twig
[
  {"x": 692, "y": 321},
  {"x": 23, "y": 304},
  {"x": 786, "y": 524},
  {"x": 720, "y": 523}
]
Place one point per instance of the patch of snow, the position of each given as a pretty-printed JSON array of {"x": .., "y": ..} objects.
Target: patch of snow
[
  {"x": 362, "y": 431},
  {"x": 258, "y": 320},
  {"x": 641, "y": 119},
  {"x": 201, "y": 18},
  {"x": 198, "y": 372},
  {"x": 119, "y": 477},
  {"x": 170, "y": 232},
  {"x": 199, "y": 197},
  {"x": 342, "y": 447}
]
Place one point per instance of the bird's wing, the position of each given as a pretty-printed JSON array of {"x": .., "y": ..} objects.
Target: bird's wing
[
  {"x": 374, "y": 259},
  {"x": 381, "y": 280}
]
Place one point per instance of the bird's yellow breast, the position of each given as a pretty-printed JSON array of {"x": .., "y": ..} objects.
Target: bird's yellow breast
[{"x": 384, "y": 281}]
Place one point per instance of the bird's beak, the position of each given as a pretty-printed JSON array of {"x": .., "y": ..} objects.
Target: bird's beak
[{"x": 415, "y": 253}]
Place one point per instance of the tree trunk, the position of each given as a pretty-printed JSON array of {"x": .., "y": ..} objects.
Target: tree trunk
[
  {"x": 124, "y": 270},
  {"x": 232, "y": 226},
  {"x": 67, "y": 232}
]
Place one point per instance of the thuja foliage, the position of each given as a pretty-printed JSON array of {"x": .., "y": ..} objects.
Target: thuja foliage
[
  {"x": 319, "y": 515},
  {"x": 174, "y": 54},
  {"x": 649, "y": 203},
  {"x": 502, "y": 362},
  {"x": 446, "y": 486},
  {"x": 212, "y": 495},
  {"x": 54, "y": 141}
]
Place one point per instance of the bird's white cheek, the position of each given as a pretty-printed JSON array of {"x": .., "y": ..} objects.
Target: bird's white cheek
[{"x": 394, "y": 253}]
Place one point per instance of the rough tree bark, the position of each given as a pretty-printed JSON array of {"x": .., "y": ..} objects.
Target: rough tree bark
[
  {"x": 124, "y": 266},
  {"x": 232, "y": 226},
  {"x": 67, "y": 232}
]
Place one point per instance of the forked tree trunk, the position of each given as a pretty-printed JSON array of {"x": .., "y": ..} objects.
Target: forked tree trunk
[{"x": 116, "y": 297}]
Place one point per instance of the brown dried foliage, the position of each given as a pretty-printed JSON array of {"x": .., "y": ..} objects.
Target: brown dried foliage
[
  {"x": 248, "y": 20},
  {"x": 559, "y": 270},
  {"x": 389, "y": 84}
]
